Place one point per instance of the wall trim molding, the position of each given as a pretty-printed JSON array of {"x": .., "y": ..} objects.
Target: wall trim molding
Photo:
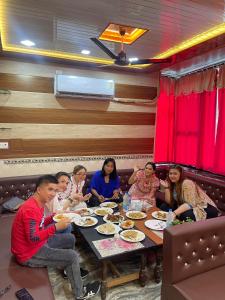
[{"x": 75, "y": 158}]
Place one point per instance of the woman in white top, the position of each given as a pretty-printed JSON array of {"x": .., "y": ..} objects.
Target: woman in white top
[
  {"x": 56, "y": 205},
  {"x": 76, "y": 199}
]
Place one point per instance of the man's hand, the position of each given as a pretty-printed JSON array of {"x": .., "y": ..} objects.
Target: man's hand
[{"x": 62, "y": 224}]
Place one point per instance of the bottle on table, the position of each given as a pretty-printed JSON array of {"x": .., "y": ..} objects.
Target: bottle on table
[
  {"x": 126, "y": 201},
  {"x": 169, "y": 218}
]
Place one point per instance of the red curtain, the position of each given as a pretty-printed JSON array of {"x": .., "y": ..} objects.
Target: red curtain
[
  {"x": 219, "y": 165},
  {"x": 194, "y": 129},
  {"x": 164, "y": 123}
]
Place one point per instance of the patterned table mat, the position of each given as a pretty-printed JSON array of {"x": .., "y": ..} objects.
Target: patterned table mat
[{"x": 113, "y": 246}]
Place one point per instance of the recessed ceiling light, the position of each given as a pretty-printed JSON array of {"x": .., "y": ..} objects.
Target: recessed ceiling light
[
  {"x": 27, "y": 43},
  {"x": 133, "y": 59},
  {"x": 86, "y": 52}
]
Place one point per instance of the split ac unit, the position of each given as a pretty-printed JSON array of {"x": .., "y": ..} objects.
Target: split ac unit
[{"x": 83, "y": 87}]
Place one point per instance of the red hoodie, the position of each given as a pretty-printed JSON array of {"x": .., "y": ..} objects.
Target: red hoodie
[{"x": 28, "y": 231}]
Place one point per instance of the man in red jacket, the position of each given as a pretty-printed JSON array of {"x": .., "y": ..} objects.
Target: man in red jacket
[{"x": 35, "y": 244}]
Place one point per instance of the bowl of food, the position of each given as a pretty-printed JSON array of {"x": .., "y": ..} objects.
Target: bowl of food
[
  {"x": 136, "y": 215},
  {"x": 127, "y": 224},
  {"x": 107, "y": 229},
  {"x": 160, "y": 215}
]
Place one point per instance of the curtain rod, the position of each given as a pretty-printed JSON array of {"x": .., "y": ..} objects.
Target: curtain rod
[{"x": 211, "y": 66}]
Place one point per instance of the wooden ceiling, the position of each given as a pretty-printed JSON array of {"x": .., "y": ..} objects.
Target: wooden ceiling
[{"x": 68, "y": 25}]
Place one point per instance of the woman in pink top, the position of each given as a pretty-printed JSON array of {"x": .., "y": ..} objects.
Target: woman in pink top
[{"x": 144, "y": 184}]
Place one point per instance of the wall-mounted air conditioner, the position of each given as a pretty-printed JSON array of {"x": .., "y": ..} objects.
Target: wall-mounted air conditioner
[{"x": 85, "y": 87}]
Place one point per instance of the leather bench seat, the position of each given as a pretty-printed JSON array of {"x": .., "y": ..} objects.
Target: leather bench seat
[
  {"x": 35, "y": 280},
  {"x": 200, "y": 286}
]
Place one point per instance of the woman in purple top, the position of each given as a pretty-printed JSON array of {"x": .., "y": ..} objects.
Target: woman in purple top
[{"x": 105, "y": 184}]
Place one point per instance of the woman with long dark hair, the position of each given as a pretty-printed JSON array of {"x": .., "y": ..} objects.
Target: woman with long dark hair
[
  {"x": 186, "y": 198},
  {"x": 105, "y": 184},
  {"x": 144, "y": 184}
]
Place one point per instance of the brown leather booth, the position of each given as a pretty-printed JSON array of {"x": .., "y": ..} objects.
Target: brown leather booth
[
  {"x": 36, "y": 280},
  {"x": 194, "y": 261}
]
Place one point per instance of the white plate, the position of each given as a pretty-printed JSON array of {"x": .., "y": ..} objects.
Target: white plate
[
  {"x": 107, "y": 210},
  {"x": 112, "y": 204},
  {"x": 140, "y": 236},
  {"x": 72, "y": 216},
  {"x": 127, "y": 227},
  {"x": 142, "y": 215},
  {"x": 155, "y": 224},
  {"x": 84, "y": 212},
  {"x": 101, "y": 230},
  {"x": 155, "y": 215},
  {"x": 115, "y": 222},
  {"x": 82, "y": 222}
]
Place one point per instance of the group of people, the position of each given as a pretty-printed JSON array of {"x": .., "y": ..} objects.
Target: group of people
[{"x": 37, "y": 241}]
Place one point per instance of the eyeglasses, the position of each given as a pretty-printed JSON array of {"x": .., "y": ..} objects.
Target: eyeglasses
[
  {"x": 5, "y": 290},
  {"x": 81, "y": 174}
]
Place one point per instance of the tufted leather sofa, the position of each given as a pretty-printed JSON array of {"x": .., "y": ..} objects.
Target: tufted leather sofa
[
  {"x": 194, "y": 261},
  {"x": 214, "y": 185},
  {"x": 23, "y": 186}
]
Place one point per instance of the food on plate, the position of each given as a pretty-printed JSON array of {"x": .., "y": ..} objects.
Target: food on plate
[
  {"x": 88, "y": 222},
  {"x": 106, "y": 228},
  {"x": 161, "y": 215},
  {"x": 131, "y": 235},
  {"x": 101, "y": 211},
  {"x": 61, "y": 217},
  {"x": 110, "y": 204},
  {"x": 127, "y": 224},
  {"x": 135, "y": 215},
  {"x": 83, "y": 212},
  {"x": 114, "y": 218}
]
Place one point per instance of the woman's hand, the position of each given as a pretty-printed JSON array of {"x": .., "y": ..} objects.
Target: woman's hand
[
  {"x": 115, "y": 195},
  {"x": 87, "y": 197},
  {"x": 164, "y": 184},
  {"x": 101, "y": 198},
  {"x": 137, "y": 168}
]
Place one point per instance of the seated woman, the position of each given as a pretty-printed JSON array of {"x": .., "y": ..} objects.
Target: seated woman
[
  {"x": 144, "y": 184},
  {"x": 56, "y": 204},
  {"x": 75, "y": 198},
  {"x": 186, "y": 198},
  {"x": 105, "y": 184}
]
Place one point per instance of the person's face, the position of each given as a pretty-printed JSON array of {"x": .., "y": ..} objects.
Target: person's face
[
  {"x": 109, "y": 167},
  {"x": 149, "y": 170},
  {"x": 80, "y": 175},
  {"x": 63, "y": 182},
  {"x": 47, "y": 192},
  {"x": 174, "y": 175}
]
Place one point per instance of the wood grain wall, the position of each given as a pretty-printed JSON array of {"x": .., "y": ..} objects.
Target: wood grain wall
[{"x": 36, "y": 124}]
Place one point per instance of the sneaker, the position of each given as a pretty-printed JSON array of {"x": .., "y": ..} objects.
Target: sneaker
[
  {"x": 84, "y": 273},
  {"x": 90, "y": 290}
]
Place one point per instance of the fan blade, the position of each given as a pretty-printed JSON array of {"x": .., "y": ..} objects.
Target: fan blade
[
  {"x": 145, "y": 61},
  {"x": 104, "y": 48}
]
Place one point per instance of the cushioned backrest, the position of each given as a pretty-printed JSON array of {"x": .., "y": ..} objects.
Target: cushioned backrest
[
  {"x": 23, "y": 186},
  {"x": 191, "y": 249}
]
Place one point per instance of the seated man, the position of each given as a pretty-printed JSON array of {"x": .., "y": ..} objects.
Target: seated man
[{"x": 36, "y": 245}]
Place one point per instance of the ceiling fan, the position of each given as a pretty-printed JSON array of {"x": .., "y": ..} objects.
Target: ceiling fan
[{"x": 121, "y": 59}]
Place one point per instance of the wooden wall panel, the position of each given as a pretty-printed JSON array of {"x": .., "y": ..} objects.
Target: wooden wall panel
[
  {"x": 59, "y": 116},
  {"x": 26, "y": 83},
  {"x": 135, "y": 91},
  {"x": 68, "y": 147},
  {"x": 46, "y": 85}
]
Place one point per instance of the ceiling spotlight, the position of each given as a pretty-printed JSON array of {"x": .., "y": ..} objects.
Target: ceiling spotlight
[
  {"x": 86, "y": 52},
  {"x": 133, "y": 59},
  {"x": 27, "y": 43}
]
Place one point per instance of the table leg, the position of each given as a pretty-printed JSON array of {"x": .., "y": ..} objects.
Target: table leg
[
  {"x": 158, "y": 266},
  {"x": 104, "y": 280},
  {"x": 142, "y": 273}
]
